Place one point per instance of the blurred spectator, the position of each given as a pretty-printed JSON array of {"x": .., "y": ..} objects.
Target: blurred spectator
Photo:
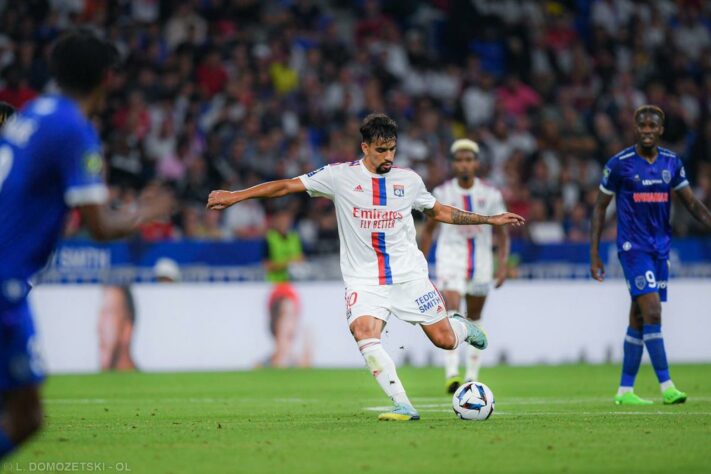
[
  {"x": 246, "y": 221},
  {"x": 283, "y": 251},
  {"x": 166, "y": 270},
  {"x": 516, "y": 97},
  {"x": 221, "y": 94},
  {"x": 283, "y": 247},
  {"x": 541, "y": 228}
]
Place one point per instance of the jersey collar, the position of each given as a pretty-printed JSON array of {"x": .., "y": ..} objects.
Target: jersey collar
[
  {"x": 372, "y": 175},
  {"x": 466, "y": 190},
  {"x": 659, "y": 154}
]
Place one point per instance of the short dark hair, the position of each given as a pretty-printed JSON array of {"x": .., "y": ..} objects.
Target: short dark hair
[
  {"x": 649, "y": 109},
  {"x": 6, "y": 111},
  {"x": 80, "y": 60},
  {"x": 378, "y": 126}
]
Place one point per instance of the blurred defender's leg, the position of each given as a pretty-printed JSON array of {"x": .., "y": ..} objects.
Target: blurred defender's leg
[{"x": 475, "y": 306}]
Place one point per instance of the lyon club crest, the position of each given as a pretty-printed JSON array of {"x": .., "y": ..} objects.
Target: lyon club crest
[{"x": 399, "y": 190}]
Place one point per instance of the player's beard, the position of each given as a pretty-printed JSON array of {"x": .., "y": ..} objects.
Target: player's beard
[
  {"x": 384, "y": 167},
  {"x": 465, "y": 178}
]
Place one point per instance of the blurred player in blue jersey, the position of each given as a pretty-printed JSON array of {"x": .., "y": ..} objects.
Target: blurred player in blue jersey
[
  {"x": 642, "y": 177},
  {"x": 50, "y": 162}
]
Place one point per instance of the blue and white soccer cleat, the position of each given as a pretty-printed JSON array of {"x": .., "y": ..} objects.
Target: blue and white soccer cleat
[
  {"x": 475, "y": 335},
  {"x": 401, "y": 412}
]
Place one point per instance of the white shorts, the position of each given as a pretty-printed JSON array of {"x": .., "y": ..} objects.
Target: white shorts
[
  {"x": 463, "y": 286},
  {"x": 416, "y": 302},
  {"x": 452, "y": 275}
]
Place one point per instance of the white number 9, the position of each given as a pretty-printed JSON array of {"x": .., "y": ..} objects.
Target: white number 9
[{"x": 650, "y": 279}]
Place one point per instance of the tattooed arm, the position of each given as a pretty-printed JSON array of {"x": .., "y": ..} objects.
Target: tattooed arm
[{"x": 453, "y": 215}]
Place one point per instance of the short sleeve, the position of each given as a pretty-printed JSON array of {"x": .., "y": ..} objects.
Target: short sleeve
[
  {"x": 610, "y": 178},
  {"x": 497, "y": 203},
  {"x": 423, "y": 199},
  {"x": 319, "y": 182},
  {"x": 679, "y": 180},
  {"x": 82, "y": 165}
]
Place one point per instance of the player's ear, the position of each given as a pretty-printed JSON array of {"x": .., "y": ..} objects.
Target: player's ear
[
  {"x": 661, "y": 130},
  {"x": 364, "y": 148}
]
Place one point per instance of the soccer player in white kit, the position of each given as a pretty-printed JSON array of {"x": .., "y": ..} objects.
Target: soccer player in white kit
[
  {"x": 464, "y": 257},
  {"x": 384, "y": 271}
]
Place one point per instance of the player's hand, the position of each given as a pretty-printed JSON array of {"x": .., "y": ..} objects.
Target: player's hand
[
  {"x": 597, "y": 269},
  {"x": 501, "y": 274},
  {"x": 507, "y": 218},
  {"x": 219, "y": 200}
]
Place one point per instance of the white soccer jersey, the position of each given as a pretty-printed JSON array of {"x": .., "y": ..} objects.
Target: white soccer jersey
[
  {"x": 465, "y": 250},
  {"x": 375, "y": 226}
]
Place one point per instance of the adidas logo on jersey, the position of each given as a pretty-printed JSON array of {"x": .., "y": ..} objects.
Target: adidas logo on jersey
[
  {"x": 440, "y": 309},
  {"x": 358, "y": 189}
]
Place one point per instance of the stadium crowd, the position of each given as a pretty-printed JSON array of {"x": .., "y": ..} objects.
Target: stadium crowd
[{"x": 227, "y": 93}]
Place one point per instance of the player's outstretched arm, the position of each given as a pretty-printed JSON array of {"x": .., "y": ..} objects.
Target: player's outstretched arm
[
  {"x": 219, "y": 200},
  {"x": 452, "y": 215},
  {"x": 107, "y": 224},
  {"x": 597, "y": 269},
  {"x": 695, "y": 207}
]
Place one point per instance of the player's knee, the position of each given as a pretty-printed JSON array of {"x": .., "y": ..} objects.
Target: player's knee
[
  {"x": 636, "y": 322},
  {"x": 652, "y": 313},
  {"x": 653, "y": 316},
  {"x": 364, "y": 329}
]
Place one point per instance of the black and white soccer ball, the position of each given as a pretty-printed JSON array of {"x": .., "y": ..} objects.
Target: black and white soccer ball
[{"x": 473, "y": 401}]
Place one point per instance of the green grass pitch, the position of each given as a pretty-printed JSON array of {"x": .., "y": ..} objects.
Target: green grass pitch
[{"x": 547, "y": 419}]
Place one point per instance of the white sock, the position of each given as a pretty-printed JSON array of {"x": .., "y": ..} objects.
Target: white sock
[
  {"x": 473, "y": 362},
  {"x": 665, "y": 385},
  {"x": 622, "y": 390},
  {"x": 383, "y": 369},
  {"x": 451, "y": 363}
]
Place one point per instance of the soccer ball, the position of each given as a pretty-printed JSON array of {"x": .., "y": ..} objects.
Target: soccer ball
[{"x": 473, "y": 401}]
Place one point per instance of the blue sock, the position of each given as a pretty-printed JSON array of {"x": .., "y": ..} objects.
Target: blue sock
[
  {"x": 6, "y": 446},
  {"x": 633, "y": 348},
  {"x": 655, "y": 347}
]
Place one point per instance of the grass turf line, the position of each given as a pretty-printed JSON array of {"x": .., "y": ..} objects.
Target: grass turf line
[{"x": 547, "y": 419}]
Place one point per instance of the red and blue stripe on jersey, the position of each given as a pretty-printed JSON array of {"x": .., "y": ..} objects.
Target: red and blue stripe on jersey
[
  {"x": 471, "y": 246},
  {"x": 380, "y": 195},
  {"x": 380, "y": 198},
  {"x": 385, "y": 275}
]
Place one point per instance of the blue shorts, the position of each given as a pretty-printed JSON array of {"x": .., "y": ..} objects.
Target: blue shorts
[
  {"x": 645, "y": 273},
  {"x": 20, "y": 361}
]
